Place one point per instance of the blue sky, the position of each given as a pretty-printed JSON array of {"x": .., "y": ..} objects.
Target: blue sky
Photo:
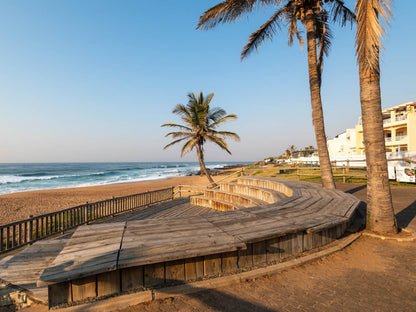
[{"x": 93, "y": 80}]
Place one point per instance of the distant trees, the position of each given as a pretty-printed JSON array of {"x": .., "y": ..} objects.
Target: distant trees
[{"x": 200, "y": 125}]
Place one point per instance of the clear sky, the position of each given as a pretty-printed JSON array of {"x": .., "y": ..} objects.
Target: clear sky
[{"x": 93, "y": 80}]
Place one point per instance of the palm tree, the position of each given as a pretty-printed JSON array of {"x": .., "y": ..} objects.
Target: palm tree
[
  {"x": 380, "y": 213},
  {"x": 292, "y": 149},
  {"x": 200, "y": 124},
  {"x": 314, "y": 16}
]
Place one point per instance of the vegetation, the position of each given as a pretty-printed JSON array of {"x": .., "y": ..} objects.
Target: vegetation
[
  {"x": 355, "y": 175},
  {"x": 380, "y": 213},
  {"x": 314, "y": 16},
  {"x": 200, "y": 124}
]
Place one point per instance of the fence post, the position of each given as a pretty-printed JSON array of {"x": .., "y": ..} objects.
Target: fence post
[
  {"x": 343, "y": 174},
  {"x": 1, "y": 239}
]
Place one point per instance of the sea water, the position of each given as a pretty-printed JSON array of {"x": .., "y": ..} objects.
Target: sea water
[{"x": 36, "y": 176}]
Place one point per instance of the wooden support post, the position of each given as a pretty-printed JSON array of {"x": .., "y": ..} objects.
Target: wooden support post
[
  {"x": 212, "y": 265},
  {"x": 273, "y": 250},
  {"x": 245, "y": 257},
  {"x": 175, "y": 272},
  {"x": 154, "y": 275},
  {"x": 108, "y": 283},
  {"x": 194, "y": 268},
  {"x": 84, "y": 288},
  {"x": 229, "y": 262},
  {"x": 59, "y": 294},
  {"x": 132, "y": 278},
  {"x": 259, "y": 253}
]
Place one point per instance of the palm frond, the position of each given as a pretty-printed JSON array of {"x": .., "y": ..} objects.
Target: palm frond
[
  {"x": 182, "y": 111},
  {"x": 188, "y": 146},
  {"x": 340, "y": 13},
  {"x": 324, "y": 36},
  {"x": 173, "y": 125},
  {"x": 229, "y": 11},
  {"x": 215, "y": 114},
  {"x": 220, "y": 142},
  {"x": 179, "y": 134},
  {"x": 223, "y": 119},
  {"x": 173, "y": 143},
  {"x": 227, "y": 135},
  {"x": 266, "y": 31},
  {"x": 370, "y": 31},
  {"x": 293, "y": 27}
]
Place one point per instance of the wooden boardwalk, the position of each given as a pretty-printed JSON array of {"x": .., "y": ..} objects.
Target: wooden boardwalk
[
  {"x": 24, "y": 269},
  {"x": 176, "y": 242}
]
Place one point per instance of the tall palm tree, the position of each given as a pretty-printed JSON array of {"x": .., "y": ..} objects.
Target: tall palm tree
[
  {"x": 380, "y": 213},
  {"x": 314, "y": 15},
  {"x": 200, "y": 124}
]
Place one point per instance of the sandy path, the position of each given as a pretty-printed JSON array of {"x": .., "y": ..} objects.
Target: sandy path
[{"x": 18, "y": 206}]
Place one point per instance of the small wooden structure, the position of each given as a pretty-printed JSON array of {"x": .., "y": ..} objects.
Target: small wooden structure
[{"x": 108, "y": 259}]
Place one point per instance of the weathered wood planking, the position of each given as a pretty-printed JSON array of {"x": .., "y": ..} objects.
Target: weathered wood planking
[
  {"x": 150, "y": 242},
  {"x": 179, "y": 246},
  {"x": 92, "y": 249}
]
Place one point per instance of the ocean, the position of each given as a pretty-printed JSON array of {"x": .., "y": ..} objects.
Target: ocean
[{"x": 37, "y": 176}]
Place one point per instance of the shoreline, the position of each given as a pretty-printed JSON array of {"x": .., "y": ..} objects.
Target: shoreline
[{"x": 20, "y": 205}]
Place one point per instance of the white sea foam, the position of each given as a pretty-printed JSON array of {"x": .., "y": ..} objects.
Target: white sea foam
[{"x": 17, "y": 179}]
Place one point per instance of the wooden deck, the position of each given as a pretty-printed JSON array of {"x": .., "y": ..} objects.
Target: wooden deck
[
  {"x": 178, "y": 242},
  {"x": 23, "y": 269}
]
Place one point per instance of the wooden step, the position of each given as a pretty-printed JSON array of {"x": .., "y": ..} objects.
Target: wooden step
[
  {"x": 213, "y": 203},
  {"x": 236, "y": 199},
  {"x": 262, "y": 194},
  {"x": 266, "y": 184}
]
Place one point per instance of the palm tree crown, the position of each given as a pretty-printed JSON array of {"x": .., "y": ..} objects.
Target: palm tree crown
[
  {"x": 200, "y": 125},
  {"x": 314, "y": 15},
  {"x": 287, "y": 12}
]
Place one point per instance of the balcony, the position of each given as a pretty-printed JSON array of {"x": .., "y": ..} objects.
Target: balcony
[
  {"x": 400, "y": 137},
  {"x": 387, "y": 139},
  {"x": 388, "y": 120},
  {"x": 402, "y": 117}
]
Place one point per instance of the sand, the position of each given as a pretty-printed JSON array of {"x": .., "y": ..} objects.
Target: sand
[{"x": 19, "y": 206}]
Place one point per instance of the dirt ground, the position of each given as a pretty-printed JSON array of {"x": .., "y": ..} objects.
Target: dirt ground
[{"x": 369, "y": 275}]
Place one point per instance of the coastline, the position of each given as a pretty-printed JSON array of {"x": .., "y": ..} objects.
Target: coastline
[{"x": 18, "y": 206}]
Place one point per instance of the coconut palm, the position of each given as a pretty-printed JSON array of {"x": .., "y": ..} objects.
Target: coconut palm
[
  {"x": 380, "y": 213},
  {"x": 314, "y": 15},
  {"x": 200, "y": 125}
]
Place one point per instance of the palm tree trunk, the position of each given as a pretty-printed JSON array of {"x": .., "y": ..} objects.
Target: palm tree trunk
[
  {"x": 380, "y": 213},
  {"x": 202, "y": 164},
  {"x": 317, "y": 113}
]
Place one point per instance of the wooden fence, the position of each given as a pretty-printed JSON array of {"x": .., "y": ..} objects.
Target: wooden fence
[
  {"x": 347, "y": 172},
  {"x": 20, "y": 233}
]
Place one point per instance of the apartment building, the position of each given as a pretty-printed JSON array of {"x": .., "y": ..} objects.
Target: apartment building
[{"x": 399, "y": 123}]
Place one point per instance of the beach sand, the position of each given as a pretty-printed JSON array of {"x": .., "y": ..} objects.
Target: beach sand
[{"x": 19, "y": 206}]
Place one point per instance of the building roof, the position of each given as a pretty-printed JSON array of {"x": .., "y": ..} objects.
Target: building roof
[{"x": 399, "y": 107}]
